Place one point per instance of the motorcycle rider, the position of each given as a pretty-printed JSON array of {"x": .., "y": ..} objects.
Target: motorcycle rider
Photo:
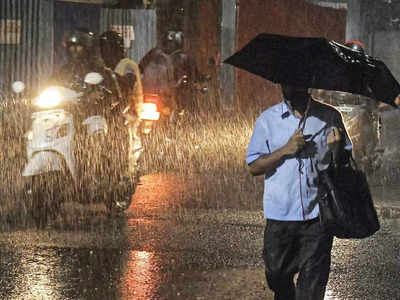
[
  {"x": 169, "y": 71},
  {"x": 355, "y": 45},
  {"x": 83, "y": 57},
  {"x": 358, "y": 46},
  {"x": 113, "y": 54},
  {"x": 367, "y": 148},
  {"x": 158, "y": 78},
  {"x": 186, "y": 74},
  {"x": 128, "y": 78}
]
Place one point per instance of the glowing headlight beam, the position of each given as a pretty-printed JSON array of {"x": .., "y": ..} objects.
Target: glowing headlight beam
[{"x": 49, "y": 98}]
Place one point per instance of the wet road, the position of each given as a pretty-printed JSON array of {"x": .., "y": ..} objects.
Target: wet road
[{"x": 161, "y": 250}]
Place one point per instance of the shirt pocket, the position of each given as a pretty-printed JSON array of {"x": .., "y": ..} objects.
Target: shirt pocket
[{"x": 279, "y": 140}]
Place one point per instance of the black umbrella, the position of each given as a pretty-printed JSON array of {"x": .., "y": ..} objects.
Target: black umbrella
[{"x": 316, "y": 63}]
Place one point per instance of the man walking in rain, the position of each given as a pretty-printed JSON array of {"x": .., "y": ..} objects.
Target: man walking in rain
[{"x": 291, "y": 141}]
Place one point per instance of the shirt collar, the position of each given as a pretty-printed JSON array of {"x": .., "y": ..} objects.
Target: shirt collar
[{"x": 286, "y": 110}]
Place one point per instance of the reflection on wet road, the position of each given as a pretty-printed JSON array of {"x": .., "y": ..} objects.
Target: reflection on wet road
[
  {"x": 141, "y": 276},
  {"x": 101, "y": 258},
  {"x": 73, "y": 273},
  {"x": 30, "y": 273},
  {"x": 160, "y": 251}
]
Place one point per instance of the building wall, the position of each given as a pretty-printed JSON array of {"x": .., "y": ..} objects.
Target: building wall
[
  {"x": 208, "y": 35},
  {"x": 202, "y": 29},
  {"x": 203, "y": 22},
  {"x": 287, "y": 17}
]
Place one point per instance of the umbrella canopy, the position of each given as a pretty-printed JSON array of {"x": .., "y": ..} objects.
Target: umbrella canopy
[{"x": 316, "y": 63}]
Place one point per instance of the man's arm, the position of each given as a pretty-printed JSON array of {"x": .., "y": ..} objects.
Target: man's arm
[{"x": 267, "y": 163}]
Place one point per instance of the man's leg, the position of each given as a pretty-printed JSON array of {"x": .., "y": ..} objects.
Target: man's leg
[
  {"x": 278, "y": 255},
  {"x": 315, "y": 247}
]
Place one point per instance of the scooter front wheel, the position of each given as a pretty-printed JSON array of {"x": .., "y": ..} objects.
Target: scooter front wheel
[{"x": 43, "y": 196}]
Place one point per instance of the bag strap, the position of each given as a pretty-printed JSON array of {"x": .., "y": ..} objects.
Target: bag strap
[
  {"x": 302, "y": 125},
  {"x": 352, "y": 162}
]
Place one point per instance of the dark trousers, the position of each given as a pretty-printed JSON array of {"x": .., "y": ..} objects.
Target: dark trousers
[{"x": 292, "y": 247}]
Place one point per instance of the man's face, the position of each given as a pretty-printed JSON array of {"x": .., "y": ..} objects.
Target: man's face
[
  {"x": 295, "y": 93},
  {"x": 76, "y": 51}
]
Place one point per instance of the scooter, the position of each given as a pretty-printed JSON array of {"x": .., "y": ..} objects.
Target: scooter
[{"x": 60, "y": 148}]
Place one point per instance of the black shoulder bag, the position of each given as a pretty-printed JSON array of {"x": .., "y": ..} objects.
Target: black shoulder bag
[
  {"x": 345, "y": 202},
  {"x": 346, "y": 208}
]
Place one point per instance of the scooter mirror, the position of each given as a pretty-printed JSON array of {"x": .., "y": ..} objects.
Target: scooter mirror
[
  {"x": 93, "y": 78},
  {"x": 18, "y": 87}
]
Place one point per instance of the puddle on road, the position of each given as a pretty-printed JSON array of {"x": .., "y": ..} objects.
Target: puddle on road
[
  {"x": 40, "y": 273},
  {"x": 159, "y": 191},
  {"x": 141, "y": 277},
  {"x": 90, "y": 265},
  {"x": 32, "y": 276}
]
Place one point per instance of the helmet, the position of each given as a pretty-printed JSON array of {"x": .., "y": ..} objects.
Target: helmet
[
  {"x": 355, "y": 45},
  {"x": 175, "y": 36},
  {"x": 81, "y": 37},
  {"x": 112, "y": 40}
]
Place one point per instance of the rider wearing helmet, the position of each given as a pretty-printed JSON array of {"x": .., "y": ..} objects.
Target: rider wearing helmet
[
  {"x": 186, "y": 74},
  {"x": 128, "y": 77},
  {"x": 112, "y": 42},
  {"x": 355, "y": 45},
  {"x": 82, "y": 58},
  {"x": 365, "y": 124},
  {"x": 113, "y": 54}
]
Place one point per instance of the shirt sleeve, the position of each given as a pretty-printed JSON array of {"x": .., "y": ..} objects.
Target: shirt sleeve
[{"x": 259, "y": 144}]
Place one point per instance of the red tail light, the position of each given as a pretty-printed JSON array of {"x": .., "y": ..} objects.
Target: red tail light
[{"x": 152, "y": 98}]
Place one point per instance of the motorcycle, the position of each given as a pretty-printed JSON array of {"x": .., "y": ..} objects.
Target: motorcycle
[
  {"x": 68, "y": 154},
  {"x": 155, "y": 107}
]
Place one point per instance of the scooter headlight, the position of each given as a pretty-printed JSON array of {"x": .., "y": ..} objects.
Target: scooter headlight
[{"x": 50, "y": 97}]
